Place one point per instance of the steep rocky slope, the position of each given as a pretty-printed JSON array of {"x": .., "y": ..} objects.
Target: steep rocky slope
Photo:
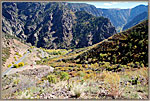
[{"x": 53, "y": 25}]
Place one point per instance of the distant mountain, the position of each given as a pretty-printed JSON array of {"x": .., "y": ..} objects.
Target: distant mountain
[
  {"x": 136, "y": 20},
  {"x": 118, "y": 17},
  {"x": 136, "y": 11},
  {"x": 54, "y": 24},
  {"x": 122, "y": 48}
]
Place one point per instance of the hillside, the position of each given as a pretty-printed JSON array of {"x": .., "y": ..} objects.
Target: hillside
[
  {"x": 123, "y": 48},
  {"x": 53, "y": 25}
]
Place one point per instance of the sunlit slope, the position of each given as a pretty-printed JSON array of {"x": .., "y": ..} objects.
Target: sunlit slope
[{"x": 125, "y": 47}]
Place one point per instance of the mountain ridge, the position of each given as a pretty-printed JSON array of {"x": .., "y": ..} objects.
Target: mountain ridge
[
  {"x": 124, "y": 15},
  {"x": 53, "y": 25}
]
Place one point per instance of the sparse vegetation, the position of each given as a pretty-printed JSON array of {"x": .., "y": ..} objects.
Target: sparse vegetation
[{"x": 5, "y": 54}]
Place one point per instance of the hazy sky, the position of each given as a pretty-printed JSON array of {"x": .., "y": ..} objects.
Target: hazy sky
[{"x": 114, "y": 4}]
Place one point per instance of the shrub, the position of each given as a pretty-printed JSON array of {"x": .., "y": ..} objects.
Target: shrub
[
  {"x": 112, "y": 80},
  {"x": 62, "y": 69},
  {"x": 17, "y": 53},
  {"x": 109, "y": 68},
  {"x": 20, "y": 55},
  {"x": 87, "y": 76},
  {"x": 32, "y": 47},
  {"x": 58, "y": 68},
  {"x": 77, "y": 89},
  {"x": 142, "y": 65},
  {"x": 15, "y": 66},
  {"x": 24, "y": 53},
  {"x": 94, "y": 66},
  {"x": 86, "y": 66},
  {"x": 81, "y": 73},
  {"x": 137, "y": 65},
  {"x": 21, "y": 64},
  {"x": 130, "y": 45},
  {"x": 102, "y": 56},
  {"x": 64, "y": 76},
  {"x": 89, "y": 71},
  {"x": 16, "y": 81},
  {"x": 9, "y": 65},
  {"x": 51, "y": 78},
  {"x": 15, "y": 58},
  {"x": 30, "y": 50},
  {"x": 38, "y": 62}
]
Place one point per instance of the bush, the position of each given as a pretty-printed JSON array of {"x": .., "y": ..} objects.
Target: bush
[
  {"x": 16, "y": 81},
  {"x": 20, "y": 55},
  {"x": 17, "y": 53},
  {"x": 51, "y": 78},
  {"x": 109, "y": 68},
  {"x": 15, "y": 58},
  {"x": 15, "y": 66},
  {"x": 30, "y": 50},
  {"x": 87, "y": 76},
  {"x": 137, "y": 65},
  {"x": 89, "y": 71},
  {"x": 38, "y": 62},
  {"x": 9, "y": 65},
  {"x": 64, "y": 76},
  {"x": 81, "y": 73},
  {"x": 21, "y": 64},
  {"x": 112, "y": 80},
  {"x": 24, "y": 53}
]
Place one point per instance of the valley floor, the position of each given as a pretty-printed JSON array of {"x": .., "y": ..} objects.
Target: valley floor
[{"x": 51, "y": 78}]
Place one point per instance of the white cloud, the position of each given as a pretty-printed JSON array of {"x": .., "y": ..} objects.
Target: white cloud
[
  {"x": 111, "y": 3},
  {"x": 126, "y": 2},
  {"x": 114, "y": 2},
  {"x": 107, "y": 4}
]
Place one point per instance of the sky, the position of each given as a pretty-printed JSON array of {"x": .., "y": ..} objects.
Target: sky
[{"x": 114, "y": 4}]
